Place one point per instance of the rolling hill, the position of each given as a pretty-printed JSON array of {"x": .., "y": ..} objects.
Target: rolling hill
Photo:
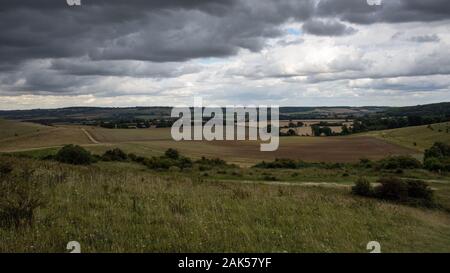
[{"x": 417, "y": 137}]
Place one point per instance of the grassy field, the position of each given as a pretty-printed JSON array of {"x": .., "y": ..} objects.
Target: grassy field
[
  {"x": 17, "y": 136},
  {"x": 121, "y": 207},
  {"x": 418, "y": 137},
  {"x": 13, "y": 129}
]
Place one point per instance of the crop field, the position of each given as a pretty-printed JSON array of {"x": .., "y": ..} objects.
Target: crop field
[
  {"x": 326, "y": 149},
  {"x": 155, "y": 141}
]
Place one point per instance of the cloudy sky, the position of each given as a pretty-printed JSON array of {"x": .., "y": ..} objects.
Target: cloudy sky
[{"x": 285, "y": 52}]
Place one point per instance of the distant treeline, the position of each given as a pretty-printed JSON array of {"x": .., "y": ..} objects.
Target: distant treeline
[{"x": 374, "y": 123}]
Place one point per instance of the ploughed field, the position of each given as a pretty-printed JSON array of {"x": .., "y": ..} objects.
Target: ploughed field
[{"x": 155, "y": 141}]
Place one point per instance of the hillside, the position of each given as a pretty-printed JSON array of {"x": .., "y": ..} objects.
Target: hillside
[
  {"x": 10, "y": 129},
  {"x": 16, "y": 136},
  {"x": 417, "y": 137},
  {"x": 120, "y": 208}
]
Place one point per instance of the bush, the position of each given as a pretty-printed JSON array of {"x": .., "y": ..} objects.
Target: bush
[
  {"x": 411, "y": 192},
  {"x": 74, "y": 154},
  {"x": 392, "y": 189},
  {"x": 20, "y": 196},
  {"x": 433, "y": 164},
  {"x": 365, "y": 163},
  {"x": 438, "y": 150},
  {"x": 418, "y": 189},
  {"x": 115, "y": 155},
  {"x": 362, "y": 187},
  {"x": 214, "y": 162},
  {"x": 437, "y": 158},
  {"x": 278, "y": 164},
  {"x": 132, "y": 157},
  {"x": 172, "y": 154},
  {"x": 399, "y": 162}
]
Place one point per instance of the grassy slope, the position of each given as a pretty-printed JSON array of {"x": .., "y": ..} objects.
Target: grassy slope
[
  {"x": 423, "y": 136},
  {"x": 13, "y": 129},
  {"x": 124, "y": 209},
  {"x": 16, "y": 136}
]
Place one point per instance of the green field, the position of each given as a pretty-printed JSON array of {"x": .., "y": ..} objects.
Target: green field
[
  {"x": 20, "y": 136},
  {"x": 418, "y": 137}
]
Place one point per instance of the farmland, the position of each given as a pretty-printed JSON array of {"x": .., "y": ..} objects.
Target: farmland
[
  {"x": 155, "y": 141},
  {"x": 127, "y": 207}
]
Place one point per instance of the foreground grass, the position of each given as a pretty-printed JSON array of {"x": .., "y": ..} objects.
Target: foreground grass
[{"x": 130, "y": 210}]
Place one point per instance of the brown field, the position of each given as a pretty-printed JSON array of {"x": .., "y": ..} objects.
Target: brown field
[
  {"x": 314, "y": 149},
  {"x": 150, "y": 142}
]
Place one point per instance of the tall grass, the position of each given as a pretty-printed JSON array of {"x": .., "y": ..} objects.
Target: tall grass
[{"x": 120, "y": 210}]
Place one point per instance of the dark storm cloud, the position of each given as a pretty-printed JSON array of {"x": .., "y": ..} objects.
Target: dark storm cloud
[
  {"x": 156, "y": 31},
  {"x": 138, "y": 69},
  {"x": 392, "y": 11},
  {"x": 327, "y": 28},
  {"x": 143, "y": 38},
  {"x": 162, "y": 31}
]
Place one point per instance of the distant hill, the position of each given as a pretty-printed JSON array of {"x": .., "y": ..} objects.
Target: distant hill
[
  {"x": 83, "y": 114},
  {"x": 435, "y": 109},
  {"x": 74, "y": 114}
]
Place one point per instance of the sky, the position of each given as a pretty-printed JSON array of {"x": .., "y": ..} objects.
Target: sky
[{"x": 164, "y": 53}]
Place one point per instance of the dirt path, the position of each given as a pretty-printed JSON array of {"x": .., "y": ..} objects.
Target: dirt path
[
  {"x": 286, "y": 183},
  {"x": 91, "y": 138},
  {"x": 307, "y": 184}
]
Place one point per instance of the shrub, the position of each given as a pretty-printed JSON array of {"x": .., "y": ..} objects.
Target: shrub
[
  {"x": 74, "y": 154},
  {"x": 278, "y": 164},
  {"x": 392, "y": 188},
  {"x": 418, "y": 189},
  {"x": 362, "y": 187},
  {"x": 115, "y": 155},
  {"x": 399, "y": 162},
  {"x": 172, "y": 154},
  {"x": 20, "y": 196},
  {"x": 433, "y": 164},
  {"x": 214, "y": 162},
  {"x": 437, "y": 158},
  {"x": 132, "y": 157},
  {"x": 438, "y": 150},
  {"x": 365, "y": 163}
]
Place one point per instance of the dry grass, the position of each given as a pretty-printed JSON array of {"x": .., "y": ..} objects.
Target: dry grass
[{"x": 125, "y": 210}]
